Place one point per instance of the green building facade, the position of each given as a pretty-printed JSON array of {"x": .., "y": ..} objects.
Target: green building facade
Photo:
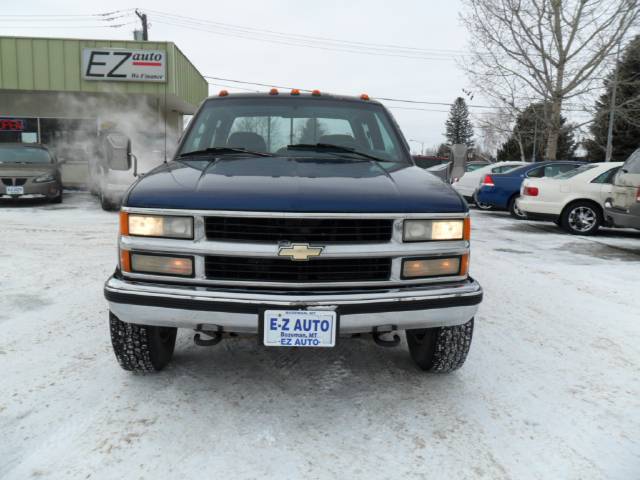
[{"x": 65, "y": 92}]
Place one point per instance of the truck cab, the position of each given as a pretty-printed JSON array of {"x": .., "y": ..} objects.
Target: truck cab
[{"x": 299, "y": 218}]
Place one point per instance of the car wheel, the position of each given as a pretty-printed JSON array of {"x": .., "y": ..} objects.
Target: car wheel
[
  {"x": 141, "y": 348},
  {"x": 581, "y": 218},
  {"x": 515, "y": 211},
  {"x": 480, "y": 205},
  {"x": 441, "y": 349},
  {"x": 57, "y": 199}
]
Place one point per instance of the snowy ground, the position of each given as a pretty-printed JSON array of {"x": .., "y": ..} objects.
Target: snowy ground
[{"x": 551, "y": 388}]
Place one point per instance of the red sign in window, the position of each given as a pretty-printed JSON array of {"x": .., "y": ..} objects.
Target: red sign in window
[{"x": 11, "y": 125}]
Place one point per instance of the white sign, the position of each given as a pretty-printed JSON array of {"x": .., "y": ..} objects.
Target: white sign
[
  {"x": 300, "y": 328},
  {"x": 124, "y": 65}
]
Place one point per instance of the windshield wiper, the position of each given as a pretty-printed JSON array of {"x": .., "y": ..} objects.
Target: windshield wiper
[
  {"x": 328, "y": 147},
  {"x": 223, "y": 151}
]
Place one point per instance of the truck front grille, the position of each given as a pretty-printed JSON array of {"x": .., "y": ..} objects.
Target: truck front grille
[
  {"x": 326, "y": 270},
  {"x": 323, "y": 230}
]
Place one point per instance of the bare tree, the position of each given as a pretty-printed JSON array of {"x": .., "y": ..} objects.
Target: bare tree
[{"x": 549, "y": 51}]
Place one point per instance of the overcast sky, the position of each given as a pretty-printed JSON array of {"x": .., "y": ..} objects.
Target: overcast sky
[{"x": 426, "y": 24}]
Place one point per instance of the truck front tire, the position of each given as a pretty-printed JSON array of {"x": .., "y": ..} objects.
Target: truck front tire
[
  {"x": 441, "y": 349},
  {"x": 141, "y": 348}
]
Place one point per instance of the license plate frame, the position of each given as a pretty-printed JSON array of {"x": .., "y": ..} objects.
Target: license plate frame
[
  {"x": 13, "y": 190},
  {"x": 299, "y": 339}
]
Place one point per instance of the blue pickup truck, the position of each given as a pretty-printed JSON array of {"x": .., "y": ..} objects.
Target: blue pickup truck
[
  {"x": 501, "y": 190},
  {"x": 299, "y": 218}
]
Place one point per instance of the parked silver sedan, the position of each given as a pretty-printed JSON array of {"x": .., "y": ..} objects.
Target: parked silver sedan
[{"x": 29, "y": 171}]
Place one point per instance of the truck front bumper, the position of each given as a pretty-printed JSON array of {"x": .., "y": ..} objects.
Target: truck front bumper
[{"x": 404, "y": 308}]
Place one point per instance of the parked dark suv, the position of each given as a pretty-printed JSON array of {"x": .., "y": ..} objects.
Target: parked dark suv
[{"x": 29, "y": 171}]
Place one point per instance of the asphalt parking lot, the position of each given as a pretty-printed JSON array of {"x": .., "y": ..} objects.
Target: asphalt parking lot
[{"x": 551, "y": 388}]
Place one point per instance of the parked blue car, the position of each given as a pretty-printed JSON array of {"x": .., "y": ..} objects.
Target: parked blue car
[{"x": 500, "y": 190}]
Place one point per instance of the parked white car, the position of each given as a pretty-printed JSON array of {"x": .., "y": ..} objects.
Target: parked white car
[
  {"x": 470, "y": 181},
  {"x": 574, "y": 200}
]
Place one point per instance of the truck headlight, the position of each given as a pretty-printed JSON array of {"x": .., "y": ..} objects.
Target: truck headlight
[
  {"x": 161, "y": 265},
  {"x": 157, "y": 226},
  {"x": 434, "y": 267},
  {"x": 47, "y": 177},
  {"x": 433, "y": 230}
]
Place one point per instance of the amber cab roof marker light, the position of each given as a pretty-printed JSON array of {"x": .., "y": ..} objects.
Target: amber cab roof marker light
[
  {"x": 295, "y": 91},
  {"x": 315, "y": 93},
  {"x": 364, "y": 96},
  {"x": 223, "y": 93},
  {"x": 273, "y": 91}
]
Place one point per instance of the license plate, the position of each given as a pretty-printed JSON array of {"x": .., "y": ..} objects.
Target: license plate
[
  {"x": 15, "y": 190},
  {"x": 300, "y": 328}
]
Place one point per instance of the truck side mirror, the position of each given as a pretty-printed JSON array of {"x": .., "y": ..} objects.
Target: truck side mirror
[{"x": 118, "y": 151}]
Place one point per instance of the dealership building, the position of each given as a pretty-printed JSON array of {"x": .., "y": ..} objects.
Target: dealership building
[{"x": 65, "y": 93}]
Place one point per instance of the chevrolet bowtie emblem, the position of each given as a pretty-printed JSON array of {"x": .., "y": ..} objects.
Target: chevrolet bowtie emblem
[{"x": 300, "y": 251}]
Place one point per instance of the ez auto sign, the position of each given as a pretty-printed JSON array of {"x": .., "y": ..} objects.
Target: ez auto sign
[{"x": 124, "y": 65}]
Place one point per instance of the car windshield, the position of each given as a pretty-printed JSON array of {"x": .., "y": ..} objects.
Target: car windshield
[
  {"x": 574, "y": 172},
  {"x": 23, "y": 154},
  {"x": 296, "y": 126}
]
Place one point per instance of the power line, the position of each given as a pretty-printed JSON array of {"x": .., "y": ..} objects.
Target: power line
[
  {"x": 299, "y": 44},
  {"x": 303, "y": 37},
  {"x": 119, "y": 25}
]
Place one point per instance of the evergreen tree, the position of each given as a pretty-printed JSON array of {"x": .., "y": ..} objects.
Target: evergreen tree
[
  {"x": 626, "y": 126},
  {"x": 529, "y": 126},
  {"x": 459, "y": 127},
  {"x": 443, "y": 150},
  {"x": 311, "y": 131}
]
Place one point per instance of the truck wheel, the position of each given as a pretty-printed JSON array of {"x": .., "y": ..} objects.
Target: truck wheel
[
  {"x": 514, "y": 210},
  {"x": 581, "y": 218},
  {"x": 141, "y": 348},
  {"x": 442, "y": 349}
]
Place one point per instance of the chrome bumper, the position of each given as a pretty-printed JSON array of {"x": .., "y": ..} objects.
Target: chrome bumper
[{"x": 423, "y": 306}]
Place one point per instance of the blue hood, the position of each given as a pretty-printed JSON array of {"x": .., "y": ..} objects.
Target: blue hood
[{"x": 287, "y": 184}]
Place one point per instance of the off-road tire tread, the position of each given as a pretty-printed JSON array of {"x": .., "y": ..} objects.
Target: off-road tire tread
[
  {"x": 444, "y": 349},
  {"x": 132, "y": 346},
  {"x": 452, "y": 347}
]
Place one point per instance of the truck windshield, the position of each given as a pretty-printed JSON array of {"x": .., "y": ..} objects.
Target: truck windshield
[
  {"x": 272, "y": 125},
  {"x": 23, "y": 154}
]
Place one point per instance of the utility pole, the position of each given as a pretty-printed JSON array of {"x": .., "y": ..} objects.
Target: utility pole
[
  {"x": 145, "y": 26},
  {"x": 612, "y": 107}
]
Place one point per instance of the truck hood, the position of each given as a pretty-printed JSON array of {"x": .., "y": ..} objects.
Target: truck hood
[
  {"x": 288, "y": 184},
  {"x": 25, "y": 170}
]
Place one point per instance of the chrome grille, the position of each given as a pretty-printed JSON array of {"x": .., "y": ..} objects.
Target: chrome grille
[
  {"x": 259, "y": 269},
  {"x": 322, "y": 230}
]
